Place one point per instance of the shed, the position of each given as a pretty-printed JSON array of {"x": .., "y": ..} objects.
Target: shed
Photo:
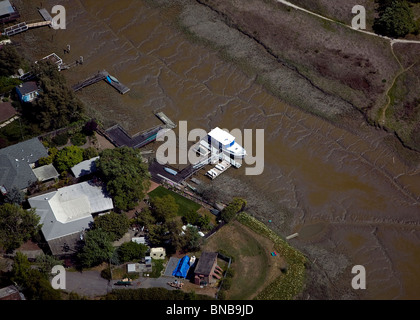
[
  {"x": 158, "y": 253},
  {"x": 204, "y": 272},
  {"x": 27, "y": 91},
  {"x": 85, "y": 167},
  {"x": 131, "y": 267},
  {"x": 45, "y": 173},
  {"x": 182, "y": 268},
  {"x": 139, "y": 240}
]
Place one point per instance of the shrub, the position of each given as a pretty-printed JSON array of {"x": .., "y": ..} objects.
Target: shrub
[
  {"x": 78, "y": 139},
  {"x": 61, "y": 139}
]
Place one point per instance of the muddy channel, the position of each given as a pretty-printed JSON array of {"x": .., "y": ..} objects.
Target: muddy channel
[{"x": 347, "y": 193}]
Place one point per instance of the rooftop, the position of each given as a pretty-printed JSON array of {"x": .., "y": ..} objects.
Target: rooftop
[
  {"x": 6, "y": 111},
  {"x": 85, "y": 167},
  {"x": 6, "y": 8},
  {"x": 27, "y": 87},
  {"x": 15, "y": 161},
  {"x": 69, "y": 210},
  {"x": 46, "y": 172},
  {"x": 221, "y": 136},
  {"x": 205, "y": 263}
]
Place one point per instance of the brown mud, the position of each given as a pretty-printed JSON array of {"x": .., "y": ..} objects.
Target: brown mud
[{"x": 345, "y": 189}]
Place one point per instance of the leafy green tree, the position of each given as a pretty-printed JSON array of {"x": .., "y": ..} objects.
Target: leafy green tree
[
  {"x": 52, "y": 154},
  {"x": 125, "y": 174},
  {"x": 395, "y": 19},
  {"x": 204, "y": 222},
  {"x": 131, "y": 251},
  {"x": 90, "y": 153},
  {"x": 17, "y": 225},
  {"x": 230, "y": 211},
  {"x": 10, "y": 61},
  {"x": 190, "y": 217},
  {"x": 14, "y": 196},
  {"x": 8, "y": 84},
  {"x": 145, "y": 218},
  {"x": 57, "y": 106},
  {"x": 156, "y": 235},
  {"x": 46, "y": 263},
  {"x": 34, "y": 284},
  {"x": 191, "y": 239},
  {"x": 164, "y": 208},
  {"x": 97, "y": 249},
  {"x": 173, "y": 238},
  {"x": 68, "y": 157},
  {"x": 115, "y": 224},
  {"x": 90, "y": 127}
]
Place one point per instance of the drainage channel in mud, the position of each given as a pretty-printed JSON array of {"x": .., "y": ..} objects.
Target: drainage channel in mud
[{"x": 347, "y": 194}]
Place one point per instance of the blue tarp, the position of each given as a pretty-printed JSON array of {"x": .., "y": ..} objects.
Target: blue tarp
[
  {"x": 181, "y": 269},
  {"x": 108, "y": 79}
]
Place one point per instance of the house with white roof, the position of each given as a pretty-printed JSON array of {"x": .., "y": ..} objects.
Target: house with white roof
[{"x": 67, "y": 212}]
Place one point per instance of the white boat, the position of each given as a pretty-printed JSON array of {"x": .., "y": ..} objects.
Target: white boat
[{"x": 225, "y": 142}]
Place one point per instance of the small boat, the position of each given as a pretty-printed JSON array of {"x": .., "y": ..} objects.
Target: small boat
[
  {"x": 114, "y": 79},
  {"x": 173, "y": 172}
]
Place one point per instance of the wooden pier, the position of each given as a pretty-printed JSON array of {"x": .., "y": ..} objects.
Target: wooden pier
[
  {"x": 45, "y": 15},
  {"x": 164, "y": 118},
  {"x": 101, "y": 75}
]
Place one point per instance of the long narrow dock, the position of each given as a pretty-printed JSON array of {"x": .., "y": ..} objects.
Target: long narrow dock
[
  {"x": 45, "y": 14},
  {"x": 164, "y": 118},
  {"x": 102, "y": 75}
]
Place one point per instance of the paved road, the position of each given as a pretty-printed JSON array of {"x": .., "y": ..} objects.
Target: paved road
[
  {"x": 87, "y": 283},
  {"x": 91, "y": 284}
]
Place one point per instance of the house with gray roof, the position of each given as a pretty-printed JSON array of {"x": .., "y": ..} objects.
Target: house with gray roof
[
  {"x": 16, "y": 163},
  {"x": 85, "y": 167},
  {"x": 67, "y": 212}
]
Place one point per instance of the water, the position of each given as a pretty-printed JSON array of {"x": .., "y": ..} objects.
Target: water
[{"x": 348, "y": 193}]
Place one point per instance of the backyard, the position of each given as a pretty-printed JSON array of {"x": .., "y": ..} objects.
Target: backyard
[{"x": 183, "y": 203}]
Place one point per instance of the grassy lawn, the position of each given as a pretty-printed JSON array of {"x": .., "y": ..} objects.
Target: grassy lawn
[
  {"x": 258, "y": 275},
  {"x": 183, "y": 203},
  {"x": 252, "y": 261}
]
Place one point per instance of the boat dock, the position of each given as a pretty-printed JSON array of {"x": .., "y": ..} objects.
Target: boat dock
[
  {"x": 164, "y": 118},
  {"x": 102, "y": 75},
  {"x": 218, "y": 169},
  {"x": 120, "y": 138},
  {"x": 45, "y": 14}
]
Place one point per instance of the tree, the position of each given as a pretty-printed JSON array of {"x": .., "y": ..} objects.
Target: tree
[
  {"x": 173, "y": 236},
  {"x": 46, "y": 263},
  {"x": 116, "y": 225},
  {"x": 57, "y": 106},
  {"x": 14, "y": 196},
  {"x": 125, "y": 174},
  {"x": 145, "y": 218},
  {"x": 395, "y": 19},
  {"x": 230, "y": 211},
  {"x": 191, "y": 239},
  {"x": 10, "y": 61},
  {"x": 131, "y": 251},
  {"x": 204, "y": 222},
  {"x": 156, "y": 235},
  {"x": 17, "y": 225},
  {"x": 97, "y": 249},
  {"x": 34, "y": 284},
  {"x": 190, "y": 217},
  {"x": 68, "y": 157},
  {"x": 90, "y": 127},
  {"x": 52, "y": 154},
  {"x": 89, "y": 153},
  {"x": 164, "y": 208}
]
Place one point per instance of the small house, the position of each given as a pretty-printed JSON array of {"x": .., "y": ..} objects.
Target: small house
[
  {"x": 8, "y": 12},
  {"x": 205, "y": 269},
  {"x": 27, "y": 91},
  {"x": 158, "y": 253}
]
